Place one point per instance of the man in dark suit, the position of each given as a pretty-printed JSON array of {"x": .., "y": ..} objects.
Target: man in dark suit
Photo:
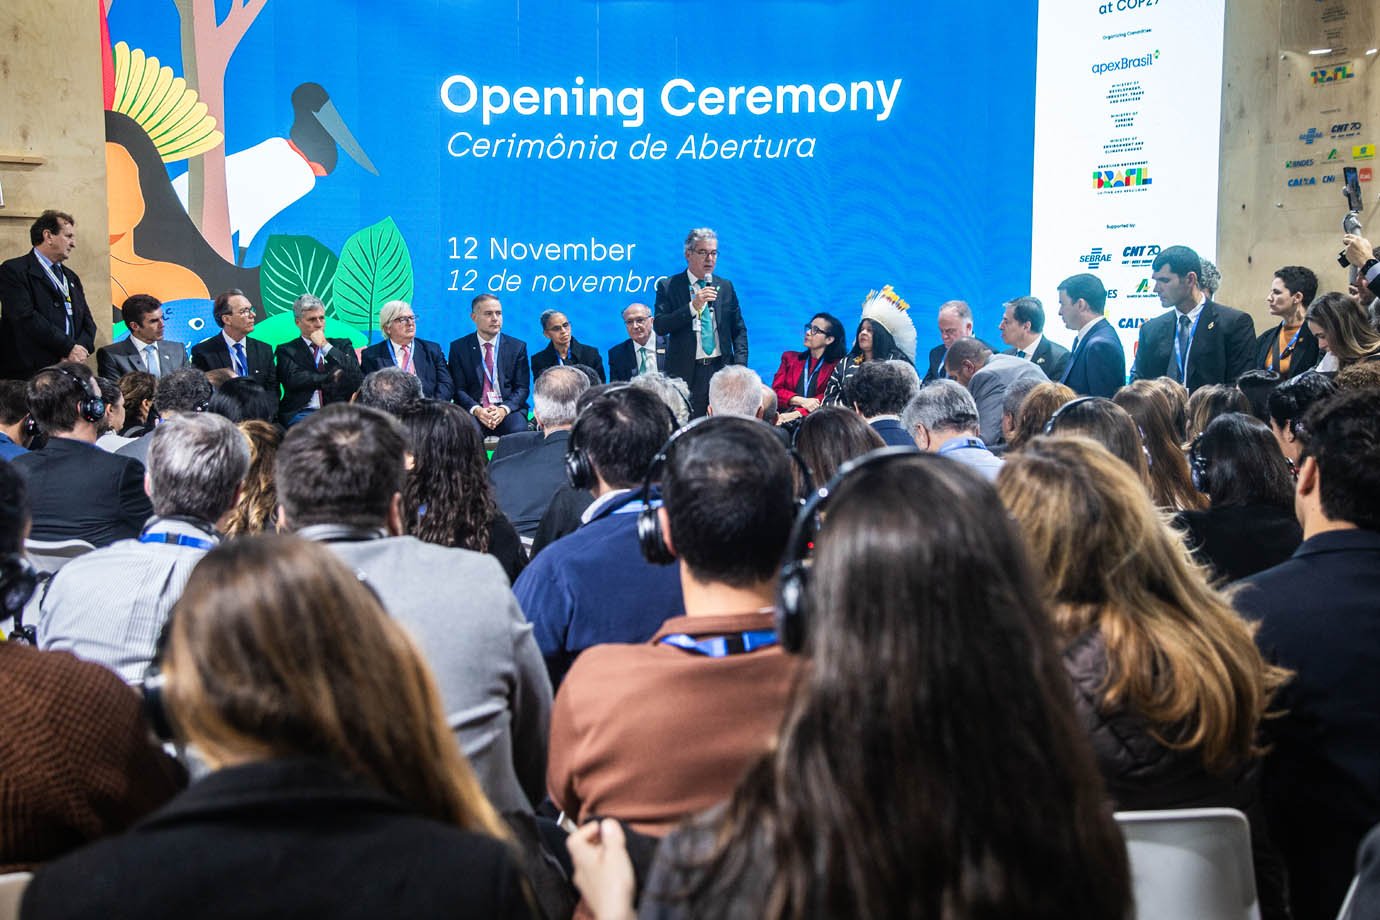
[
  {"x": 1198, "y": 341},
  {"x": 45, "y": 317},
  {"x": 401, "y": 348},
  {"x": 1320, "y": 787},
  {"x": 563, "y": 349},
  {"x": 1290, "y": 348},
  {"x": 490, "y": 371},
  {"x": 525, "y": 482},
  {"x": 1097, "y": 362},
  {"x": 641, "y": 352},
  {"x": 878, "y": 391},
  {"x": 76, "y": 490},
  {"x": 145, "y": 349},
  {"x": 955, "y": 322},
  {"x": 233, "y": 348},
  {"x": 698, "y": 313},
  {"x": 1022, "y": 327},
  {"x": 315, "y": 371}
]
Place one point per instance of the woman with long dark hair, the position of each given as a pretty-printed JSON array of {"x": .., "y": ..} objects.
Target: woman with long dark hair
[
  {"x": 885, "y": 333},
  {"x": 929, "y": 765},
  {"x": 829, "y": 438},
  {"x": 1250, "y": 525},
  {"x": 802, "y": 377},
  {"x": 336, "y": 786},
  {"x": 1166, "y": 675},
  {"x": 448, "y": 498}
]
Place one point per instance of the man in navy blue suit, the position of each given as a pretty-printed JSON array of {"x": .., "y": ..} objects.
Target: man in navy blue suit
[
  {"x": 1097, "y": 363},
  {"x": 401, "y": 348},
  {"x": 878, "y": 392},
  {"x": 641, "y": 352},
  {"x": 490, "y": 372}
]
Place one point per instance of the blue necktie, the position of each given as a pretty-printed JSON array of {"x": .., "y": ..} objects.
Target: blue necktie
[
  {"x": 241, "y": 364},
  {"x": 1184, "y": 323}
]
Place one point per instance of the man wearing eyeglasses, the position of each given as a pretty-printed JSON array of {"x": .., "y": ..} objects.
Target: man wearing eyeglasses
[
  {"x": 641, "y": 352},
  {"x": 401, "y": 348},
  {"x": 698, "y": 313},
  {"x": 232, "y": 347}
]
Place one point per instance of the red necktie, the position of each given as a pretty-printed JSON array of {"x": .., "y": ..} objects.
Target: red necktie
[
  {"x": 490, "y": 374},
  {"x": 407, "y": 360}
]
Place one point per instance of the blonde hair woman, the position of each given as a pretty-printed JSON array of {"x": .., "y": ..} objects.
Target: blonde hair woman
[
  {"x": 1037, "y": 407},
  {"x": 1167, "y": 676},
  {"x": 257, "y": 508},
  {"x": 336, "y": 787}
]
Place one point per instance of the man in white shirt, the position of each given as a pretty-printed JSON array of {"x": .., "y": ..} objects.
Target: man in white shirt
[{"x": 641, "y": 352}]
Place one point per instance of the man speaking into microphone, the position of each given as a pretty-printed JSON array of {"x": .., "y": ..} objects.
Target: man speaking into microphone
[{"x": 698, "y": 313}]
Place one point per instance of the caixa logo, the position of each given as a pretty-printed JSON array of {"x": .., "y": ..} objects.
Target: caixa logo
[
  {"x": 1299, "y": 181},
  {"x": 1095, "y": 258},
  {"x": 1125, "y": 6},
  {"x": 1130, "y": 322}
]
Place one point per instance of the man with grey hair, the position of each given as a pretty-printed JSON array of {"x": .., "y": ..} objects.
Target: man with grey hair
[
  {"x": 313, "y": 370},
  {"x": 670, "y": 390},
  {"x": 698, "y": 313},
  {"x": 1022, "y": 327},
  {"x": 955, "y": 321},
  {"x": 987, "y": 377},
  {"x": 109, "y": 605},
  {"x": 390, "y": 389},
  {"x": 525, "y": 482},
  {"x": 943, "y": 418},
  {"x": 402, "y": 349},
  {"x": 736, "y": 390},
  {"x": 641, "y": 352},
  {"x": 878, "y": 391},
  {"x": 182, "y": 392}
]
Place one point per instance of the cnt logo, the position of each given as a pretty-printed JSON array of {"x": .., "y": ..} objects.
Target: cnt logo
[
  {"x": 1309, "y": 136},
  {"x": 1139, "y": 255},
  {"x": 1095, "y": 258},
  {"x": 1346, "y": 129}
]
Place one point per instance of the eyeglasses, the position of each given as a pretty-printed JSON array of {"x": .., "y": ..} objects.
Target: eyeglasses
[
  {"x": 408, "y": 320},
  {"x": 247, "y": 311},
  {"x": 811, "y": 329},
  {"x": 706, "y": 253},
  {"x": 636, "y": 320}
]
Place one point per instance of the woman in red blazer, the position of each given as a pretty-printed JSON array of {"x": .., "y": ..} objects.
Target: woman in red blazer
[{"x": 800, "y": 380}]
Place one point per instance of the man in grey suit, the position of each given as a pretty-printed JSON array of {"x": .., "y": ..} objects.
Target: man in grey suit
[
  {"x": 145, "y": 349},
  {"x": 340, "y": 477},
  {"x": 109, "y": 605},
  {"x": 181, "y": 392},
  {"x": 987, "y": 377}
]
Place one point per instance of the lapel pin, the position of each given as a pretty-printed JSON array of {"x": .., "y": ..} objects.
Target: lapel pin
[{"x": 1210, "y": 325}]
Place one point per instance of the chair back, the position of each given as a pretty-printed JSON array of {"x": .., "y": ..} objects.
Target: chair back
[
  {"x": 51, "y": 555},
  {"x": 1192, "y": 862},
  {"x": 12, "y": 888}
]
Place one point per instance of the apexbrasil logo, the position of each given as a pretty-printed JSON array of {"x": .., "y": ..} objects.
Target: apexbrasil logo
[{"x": 1127, "y": 63}]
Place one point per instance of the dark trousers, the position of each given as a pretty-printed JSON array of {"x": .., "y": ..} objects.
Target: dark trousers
[{"x": 699, "y": 385}]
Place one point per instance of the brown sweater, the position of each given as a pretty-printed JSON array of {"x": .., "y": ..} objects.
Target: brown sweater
[
  {"x": 652, "y": 733},
  {"x": 76, "y": 762}
]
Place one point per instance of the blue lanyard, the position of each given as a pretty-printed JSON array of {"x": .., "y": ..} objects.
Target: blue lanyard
[
  {"x": 60, "y": 282},
  {"x": 412, "y": 356},
  {"x": 807, "y": 382},
  {"x": 176, "y": 539},
  {"x": 1276, "y": 359},
  {"x": 723, "y": 646},
  {"x": 964, "y": 444},
  {"x": 1179, "y": 353}
]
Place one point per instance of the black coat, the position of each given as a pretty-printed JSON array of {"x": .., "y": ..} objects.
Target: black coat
[
  {"x": 338, "y": 378},
  {"x": 428, "y": 363},
  {"x": 33, "y": 326},
  {"x": 1222, "y": 348},
  {"x": 1304, "y": 357},
  {"x": 587, "y": 355},
  {"x": 212, "y": 353},
  {"x": 1050, "y": 357},
  {"x": 289, "y": 838},
  {"x": 79, "y": 492},
  {"x": 673, "y": 318},
  {"x": 1242, "y": 540}
]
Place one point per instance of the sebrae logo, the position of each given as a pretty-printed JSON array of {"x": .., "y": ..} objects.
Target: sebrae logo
[
  {"x": 1105, "y": 180},
  {"x": 1095, "y": 258}
]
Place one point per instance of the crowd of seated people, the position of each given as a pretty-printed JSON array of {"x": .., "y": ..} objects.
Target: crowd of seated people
[{"x": 874, "y": 640}]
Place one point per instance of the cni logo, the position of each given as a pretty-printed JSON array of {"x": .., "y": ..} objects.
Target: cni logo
[{"x": 1095, "y": 258}]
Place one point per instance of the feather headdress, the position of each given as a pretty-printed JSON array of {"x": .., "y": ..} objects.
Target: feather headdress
[{"x": 887, "y": 307}]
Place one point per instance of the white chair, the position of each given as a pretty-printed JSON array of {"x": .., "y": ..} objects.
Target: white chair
[
  {"x": 11, "y": 892},
  {"x": 51, "y": 555},
  {"x": 1191, "y": 863}
]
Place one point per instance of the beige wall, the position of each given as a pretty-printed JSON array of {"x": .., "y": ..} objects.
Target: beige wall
[
  {"x": 52, "y": 134},
  {"x": 1268, "y": 100}
]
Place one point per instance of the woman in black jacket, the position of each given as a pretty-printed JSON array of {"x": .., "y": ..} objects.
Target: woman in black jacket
[{"x": 1250, "y": 525}]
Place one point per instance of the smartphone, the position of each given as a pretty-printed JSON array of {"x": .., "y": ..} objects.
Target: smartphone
[{"x": 1353, "y": 189}]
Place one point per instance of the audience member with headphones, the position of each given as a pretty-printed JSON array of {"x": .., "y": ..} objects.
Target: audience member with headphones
[
  {"x": 591, "y": 586},
  {"x": 655, "y": 732},
  {"x": 80, "y": 492},
  {"x": 928, "y": 763},
  {"x": 75, "y": 759},
  {"x": 185, "y": 391}
]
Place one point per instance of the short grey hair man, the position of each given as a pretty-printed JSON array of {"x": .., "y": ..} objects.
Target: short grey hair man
[
  {"x": 109, "y": 605},
  {"x": 735, "y": 390},
  {"x": 673, "y": 391},
  {"x": 391, "y": 389},
  {"x": 943, "y": 419},
  {"x": 305, "y": 304},
  {"x": 699, "y": 235},
  {"x": 555, "y": 397}
]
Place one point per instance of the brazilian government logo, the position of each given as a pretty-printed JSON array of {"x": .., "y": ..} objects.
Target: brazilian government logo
[{"x": 1108, "y": 179}]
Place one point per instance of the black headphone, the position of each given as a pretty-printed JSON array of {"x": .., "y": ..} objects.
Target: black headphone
[
  {"x": 793, "y": 585},
  {"x": 579, "y": 472},
  {"x": 92, "y": 406},
  {"x": 649, "y": 539},
  {"x": 1054, "y": 419},
  {"x": 1198, "y": 465},
  {"x": 18, "y": 582}
]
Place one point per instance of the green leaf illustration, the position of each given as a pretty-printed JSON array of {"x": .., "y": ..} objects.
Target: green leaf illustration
[
  {"x": 375, "y": 267},
  {"x": 293, "y": 266}
]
